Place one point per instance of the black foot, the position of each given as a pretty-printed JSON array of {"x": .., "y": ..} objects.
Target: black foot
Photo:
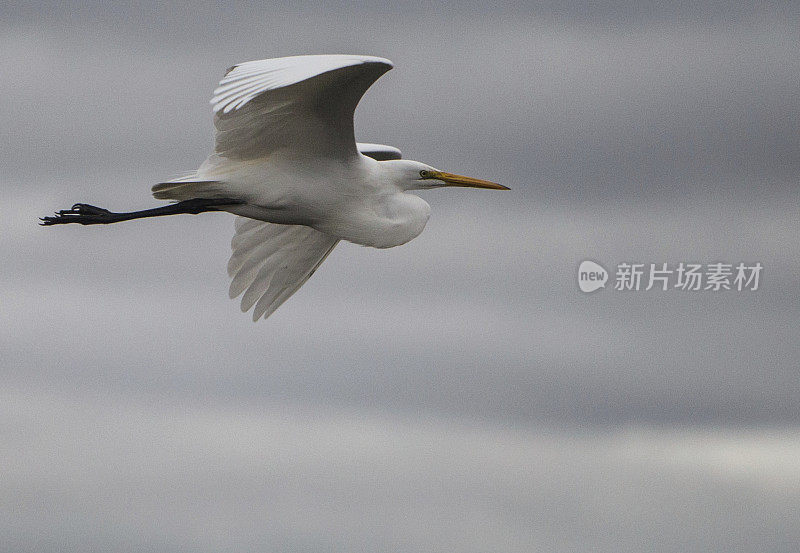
[{"x": 83, "y": 214}]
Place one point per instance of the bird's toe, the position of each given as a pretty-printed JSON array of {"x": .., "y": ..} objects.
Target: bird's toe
[
  {"x": 83, "y": 214},
  {"x": 86, "y": 209}
]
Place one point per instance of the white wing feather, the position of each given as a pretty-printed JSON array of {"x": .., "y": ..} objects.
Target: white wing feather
[
  {"x": 271, "y": 262},
  {"x": 301, "y": 103}
]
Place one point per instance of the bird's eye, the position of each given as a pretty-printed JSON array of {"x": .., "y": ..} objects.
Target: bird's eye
[{"x": 424, "y": 173}]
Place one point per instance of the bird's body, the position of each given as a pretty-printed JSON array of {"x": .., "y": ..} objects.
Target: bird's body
[
  {"x": 355, "y": 200},
  {"x": 286, "y": 162}
]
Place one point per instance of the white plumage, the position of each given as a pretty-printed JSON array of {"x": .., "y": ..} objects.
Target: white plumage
[
  {"x": 287, "y": 163},
  {"x": 245, "y": 81},
  {"x": 271, "y": 262}
]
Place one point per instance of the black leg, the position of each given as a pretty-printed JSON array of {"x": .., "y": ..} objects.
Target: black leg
[{"x": 86, "y": 214}]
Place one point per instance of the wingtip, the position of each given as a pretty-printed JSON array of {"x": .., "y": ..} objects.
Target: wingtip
[
  {"x": 377, "y": 59},
  {"x": 229, "y": 96}
]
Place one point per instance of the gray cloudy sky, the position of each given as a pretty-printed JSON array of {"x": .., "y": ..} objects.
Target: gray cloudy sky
[{"x": 458, "y": 393}]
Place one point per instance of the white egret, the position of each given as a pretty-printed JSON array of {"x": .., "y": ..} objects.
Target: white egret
[{"x": 287, "y": 163}]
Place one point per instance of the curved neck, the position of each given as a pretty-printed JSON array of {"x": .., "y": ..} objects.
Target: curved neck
[{"x": 381, "y": 220}]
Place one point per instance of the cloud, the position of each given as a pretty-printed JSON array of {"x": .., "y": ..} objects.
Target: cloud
[
  {"x": 83, "y": 473},
  {"x": 586, "y": 112},
  {"x": 458, "y": 393},
  {"x": 480, "y": 316}
]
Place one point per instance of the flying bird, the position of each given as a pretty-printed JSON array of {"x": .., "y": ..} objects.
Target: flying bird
[{"x": 286, "y": 162}]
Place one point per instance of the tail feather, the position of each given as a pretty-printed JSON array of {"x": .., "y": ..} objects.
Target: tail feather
[{"x": 187, "y": 189}]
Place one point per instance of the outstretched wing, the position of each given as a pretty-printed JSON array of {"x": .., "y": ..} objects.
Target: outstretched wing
[
  {"x": 381, "y": 152},
  {"x": 271, "y": 262},
  {"x": 304, "y": 104}
]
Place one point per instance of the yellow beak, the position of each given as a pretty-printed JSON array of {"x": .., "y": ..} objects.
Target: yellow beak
[{"x": 469, "y": 182}]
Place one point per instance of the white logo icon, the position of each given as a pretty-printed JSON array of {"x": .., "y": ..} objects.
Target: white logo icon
[{"x": 591, "y": 276}]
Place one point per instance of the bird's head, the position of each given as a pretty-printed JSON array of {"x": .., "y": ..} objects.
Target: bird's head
[{"x": 413, "y": 175}]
